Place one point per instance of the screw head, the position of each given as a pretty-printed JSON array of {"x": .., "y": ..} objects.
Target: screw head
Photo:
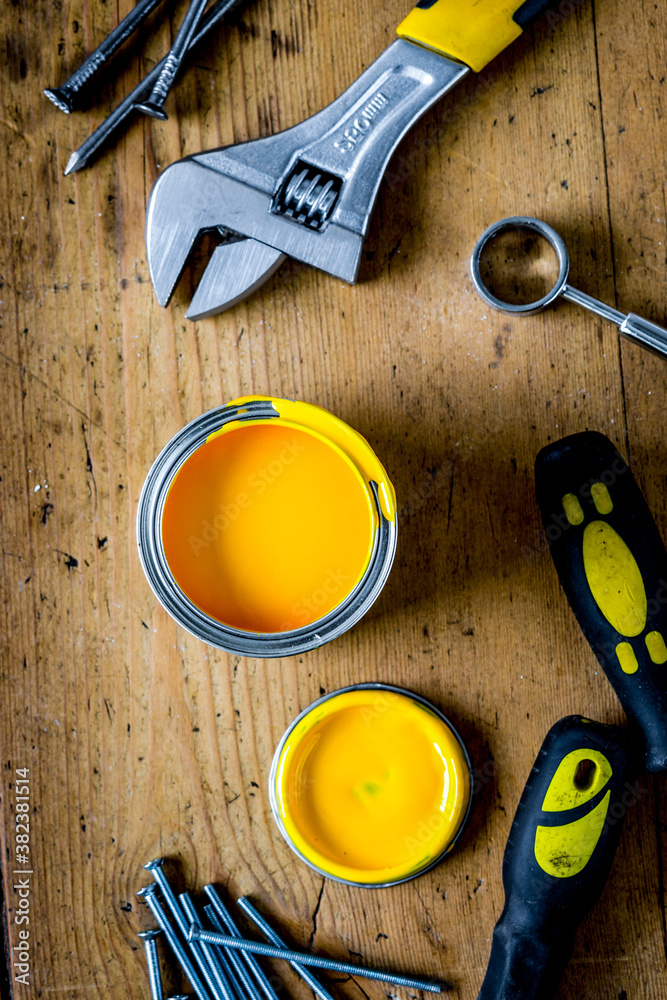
[
  {"x": 150, "y": 866},
  {"x": 150, "y": 934},
  {"x": 153, "y": 109},
  {"x": 147, "y": 890}
]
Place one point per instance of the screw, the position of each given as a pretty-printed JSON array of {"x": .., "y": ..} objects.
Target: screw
[
  {"x": 81, "y": 157},
  {"x": 305, "y": 958},
  {"x": 237, "y": 962},
  {"x": 224, "y": 990},
  {"x": 149, "y": 939},
  {"x": 275, "y": 939},
  {"x": 65, "y": 97},
  {"x": 227, "y": 920},
  {"x": 148, "y": 894},
  {"x": 156, "y": 870},
  {"x": 168, "y": 894},
  {"x": 154, "y": 105}
]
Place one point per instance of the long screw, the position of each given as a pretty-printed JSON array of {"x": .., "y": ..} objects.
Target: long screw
[
  {"x": 236, "y": 973},
  {"x": 224, "y": 988},
  {"x": 154, "y": 978},
  {"x": 183, "y": 924},
  {"x": 155, "y": 867},
  {"x": 237, "y": 960},
  {"x": 148, "y": 894},
  {"x": 227, "y": 920},
  {"x": 275, "y": 939},
  {"x": 154, "y": 105},
  {"x": 87, "y": 151},
  {"x": 65, "y": 97},
  {"x": 305, "y": 958}
]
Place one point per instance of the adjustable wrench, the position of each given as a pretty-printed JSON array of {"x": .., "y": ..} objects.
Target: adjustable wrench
[{"x": 308, "y": 192}]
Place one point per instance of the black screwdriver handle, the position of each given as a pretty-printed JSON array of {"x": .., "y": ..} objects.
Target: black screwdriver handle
[
  {"x": 612, "y": 565},
  {"x": 558, "y": 856}
]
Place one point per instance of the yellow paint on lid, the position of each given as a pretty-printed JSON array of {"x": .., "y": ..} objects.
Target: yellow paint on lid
[
  {"x": 270, "y": 524},
  {"x": 371, "y": 786}
]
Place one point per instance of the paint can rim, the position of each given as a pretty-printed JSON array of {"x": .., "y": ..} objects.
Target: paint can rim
[
  {"x": 192, "y": 618},
  {"x": 275, "y": 763}
]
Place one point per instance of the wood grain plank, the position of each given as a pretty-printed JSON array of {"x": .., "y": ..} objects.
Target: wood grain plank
[{"x": 141, "y": 740}]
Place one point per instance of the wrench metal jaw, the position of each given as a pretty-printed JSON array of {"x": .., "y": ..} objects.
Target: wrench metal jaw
[{"x": 307, "y": 192}]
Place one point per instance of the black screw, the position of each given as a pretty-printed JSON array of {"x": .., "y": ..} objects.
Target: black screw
[
  {"x": 65, "y": 97},
  {"x": 154, "y": 105},
  {"x": 81, "y": 157}
]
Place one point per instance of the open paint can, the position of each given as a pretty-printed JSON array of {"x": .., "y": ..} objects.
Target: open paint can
[
  {"x": 370, "y": 785},
  {"x": 267, "y": 527}
]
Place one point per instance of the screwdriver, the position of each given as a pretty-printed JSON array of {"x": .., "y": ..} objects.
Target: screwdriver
[
  {"x": 612, "y": 565},
  {"x": 558, "y": 856}
]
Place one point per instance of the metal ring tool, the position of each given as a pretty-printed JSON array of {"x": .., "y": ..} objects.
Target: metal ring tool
[{"x": 642, "y": 331}]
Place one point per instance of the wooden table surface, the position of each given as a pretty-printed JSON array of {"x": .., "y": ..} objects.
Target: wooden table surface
[{"x": 139, "y": 739}]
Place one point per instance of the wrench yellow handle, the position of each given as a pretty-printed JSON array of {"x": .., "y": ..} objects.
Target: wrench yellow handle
[{"x": 470, "y": 31}]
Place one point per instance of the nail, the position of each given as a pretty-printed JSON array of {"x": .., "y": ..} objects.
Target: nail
[
  {"x": 275, "y": 939},
  {"x": 155, "y": 867},
  {"x": 305, "y": 958},
  {"x": 224, "y": 989},
  {"x": 65, "y": 97},
  {"x": 148, "y": 894},
  {"x": 154, "y": 978},
  {"x": 237, "y": 961},
  {"x": 168, "y": 894},
  {"x": 154, "y": 105},
  {"x": 87, "y": 151}
]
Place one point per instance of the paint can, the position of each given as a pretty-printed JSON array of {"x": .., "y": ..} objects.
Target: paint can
[
  {"x": 267, "y": 527},
  {"x": 371, "y": 785}
]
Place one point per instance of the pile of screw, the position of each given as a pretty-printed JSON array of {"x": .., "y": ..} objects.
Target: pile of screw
[
  {"x": 150, "y": 94},
  {"x": 219, "y": 963}
]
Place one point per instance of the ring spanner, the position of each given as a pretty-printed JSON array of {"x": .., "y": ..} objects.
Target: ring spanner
[
  {"x": 641, "y": 331},
  {"x": 308, "y": 192}
]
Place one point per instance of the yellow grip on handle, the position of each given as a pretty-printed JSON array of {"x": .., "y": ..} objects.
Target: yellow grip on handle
[{"x": 471, "y": 31}]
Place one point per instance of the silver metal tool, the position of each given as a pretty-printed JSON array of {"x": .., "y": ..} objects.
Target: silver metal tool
[
  {"x": 307, "y": 192},
  {"x": 642, "y": 331}
]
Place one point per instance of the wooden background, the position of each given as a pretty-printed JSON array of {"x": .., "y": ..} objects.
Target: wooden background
[{"x": 140, "y": 740}]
